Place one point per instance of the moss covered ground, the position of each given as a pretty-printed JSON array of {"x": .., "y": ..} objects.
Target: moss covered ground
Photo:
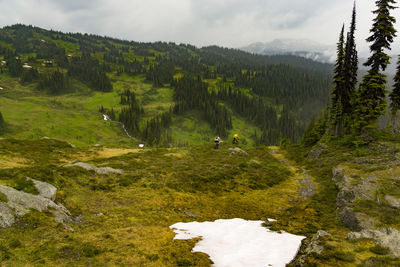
[{"x": 125, "y": 218}]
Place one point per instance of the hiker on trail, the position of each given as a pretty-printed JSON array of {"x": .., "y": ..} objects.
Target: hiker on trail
[
  {"x": 235, "y": 140},
  {"x": 217, "y": 140}
]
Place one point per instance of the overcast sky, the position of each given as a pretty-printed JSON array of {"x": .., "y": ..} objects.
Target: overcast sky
[{"x": 230, "y": 23}]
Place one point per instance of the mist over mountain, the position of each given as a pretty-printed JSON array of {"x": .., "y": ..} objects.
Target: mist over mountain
[{"x": 298, "y": 47}]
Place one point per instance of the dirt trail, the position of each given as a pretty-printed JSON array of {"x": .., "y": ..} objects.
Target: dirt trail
[{"x": 307, "y": 186}]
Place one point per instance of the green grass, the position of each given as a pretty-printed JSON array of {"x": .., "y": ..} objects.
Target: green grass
[
  {"x": 125, "y": 219},
  {"x": 72, "y": 117}
]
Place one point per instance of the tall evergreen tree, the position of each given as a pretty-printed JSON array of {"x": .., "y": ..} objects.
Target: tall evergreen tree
[
  {"x": 336, "y": 117},
  {"x": 372, "y": 102},
  {"x": 395, "y": 98},
  {"x": 350, "y": 66}
]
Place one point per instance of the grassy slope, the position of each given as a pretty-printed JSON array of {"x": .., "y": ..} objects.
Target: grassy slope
[
  {"x": 377, "y": 159},
  {"x": 74, "y": 117},
  {"x": 125, "y": 219}
]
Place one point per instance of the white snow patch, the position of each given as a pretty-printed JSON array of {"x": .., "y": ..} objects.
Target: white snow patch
[
  {"x": 240, "y": 243},
  {"x": 26, "y": 66},
  {"x": 141, "y": 145},
  {"x": 1, "y": 88}
]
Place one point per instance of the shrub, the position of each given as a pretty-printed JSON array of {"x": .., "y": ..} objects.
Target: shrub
[
  {"x": 15, "y": 243},
  {"x": 89, "y": 250},
  {"x": 378, "y": 249},
  {"x": 152, "y": 257},
  {"x": 26, "y": 185},
  {"x": 344, "y": 256}
]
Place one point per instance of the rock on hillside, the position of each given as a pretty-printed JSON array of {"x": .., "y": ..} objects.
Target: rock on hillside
[
  {"x": 350, "y": 190},
  {"x": 99, "y": 170},
  {"x": 237, "y": 150},
  {"x": 19, "y": 203},
  {"x": 45, "y": 190},
  {"x": 386, "y": 237},
  {"x": 355, "y": 188}
]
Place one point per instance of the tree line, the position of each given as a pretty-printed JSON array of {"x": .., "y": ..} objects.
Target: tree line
[
  {"x": 193, "y": 93},
  {"x": 356, "y": 110}
]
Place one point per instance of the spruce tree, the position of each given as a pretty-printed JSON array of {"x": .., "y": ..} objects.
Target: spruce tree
[
  {"x": 372, "y": 102},
  {"x": 350, "y": 67},
  {"x": 395, "y": 98},
  {"x": 336, "y": 116}
]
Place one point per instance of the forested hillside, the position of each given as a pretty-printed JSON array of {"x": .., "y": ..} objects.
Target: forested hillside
[{"x": 222, "y": 90}]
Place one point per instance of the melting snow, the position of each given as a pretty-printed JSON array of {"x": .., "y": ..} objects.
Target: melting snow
[{"x": 240, "y": 243}]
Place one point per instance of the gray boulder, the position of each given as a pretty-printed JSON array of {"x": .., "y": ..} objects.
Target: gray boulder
[
  {"x": 99, "y": 170},
  {"x": 45, "y": 190},
  {"x": 6, "y": 216},
  {"x": 190, "y": 214},
  {"x": 237, "y": 150},
  {"x": 22, "y": 202},
  {"x": 392, "y": 201},
  {"x": 355, "y": 221},
  {"x": 316, "y": 152},
  {"x": 386, "y": 237},
  {"x": 350, "y": 190},
  {"x": 313, "y": 246}
]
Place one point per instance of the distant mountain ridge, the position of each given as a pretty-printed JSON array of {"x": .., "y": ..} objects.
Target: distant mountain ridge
[{"x": 298, "y": 47}]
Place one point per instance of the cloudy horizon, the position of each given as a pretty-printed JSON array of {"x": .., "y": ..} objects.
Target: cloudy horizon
[{"x": 228, "y": 23}]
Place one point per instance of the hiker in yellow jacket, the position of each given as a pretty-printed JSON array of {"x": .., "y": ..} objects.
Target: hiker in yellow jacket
[{"x": 235, "y": 140}]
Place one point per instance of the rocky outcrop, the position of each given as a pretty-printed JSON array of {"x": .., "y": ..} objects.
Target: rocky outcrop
[
  {"x": 237, "y": 150},
  {"x": 99, "y": 170},
  {"x": 386, "y": 237},
  {"x": 392, "y": 201},
  {"x": 355, "y": 221},
  {"x": 20, "y": 203},
  {"x": 363, "y": 226},
  {"x": 45, "y": 190},
  {"x": 6, "y": 216},
  {"x": 310, "y": 247},
  {"x": 316, "y": 152},
  {"x": 351, "y": 189}
]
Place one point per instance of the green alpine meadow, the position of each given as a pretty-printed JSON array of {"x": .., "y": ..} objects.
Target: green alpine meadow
[{"x": 116, "y": 152}]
